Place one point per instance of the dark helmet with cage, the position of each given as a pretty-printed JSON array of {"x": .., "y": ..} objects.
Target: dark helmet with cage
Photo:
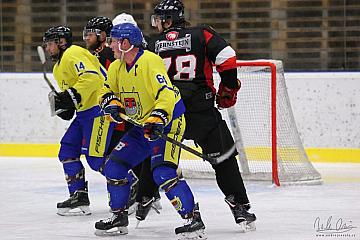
[
  {"x": 55, "y": 34},
  {"x": 97, "y": 25},
  {"x": 128, "y": 31},
  {"x": 169, "y": 9}
]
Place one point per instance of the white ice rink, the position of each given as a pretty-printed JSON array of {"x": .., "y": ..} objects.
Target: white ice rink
[{"x": 30, "y": 188}]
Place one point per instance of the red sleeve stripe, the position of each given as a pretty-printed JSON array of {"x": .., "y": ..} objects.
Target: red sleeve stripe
[
  {"x": 229, "y": 63},
  {"x": 207, "y": 36}
]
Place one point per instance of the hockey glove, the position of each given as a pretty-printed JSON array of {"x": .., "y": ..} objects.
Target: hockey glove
[
  {"x": 155, "y": 124},
  {"x": 112, "y": 107},
  {"x": 68, "y": 99},
  {"x": 226, "y": 97},
  {"x": 66, "y": 115}
]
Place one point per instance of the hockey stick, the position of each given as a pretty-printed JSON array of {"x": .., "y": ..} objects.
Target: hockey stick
[
  {"x": 212, "y": 160},
  {"x": 41, "y": 54}
]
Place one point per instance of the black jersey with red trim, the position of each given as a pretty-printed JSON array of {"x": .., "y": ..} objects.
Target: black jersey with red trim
[
  {"x": 105, "y": 56},
  {"x": 189, "y": 55}
]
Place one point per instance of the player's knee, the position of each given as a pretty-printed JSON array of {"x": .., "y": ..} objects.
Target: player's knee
[
  {"x": 114, "y": 170},
  {"x": 165, "y": 177},
  {"x": 226, "y": 166},
  {"x": 96, "y": 163},
  {"x": 209, "y": 146},
  {"x": 72, "y": 165},
  {"x": 68, "y": 151}
]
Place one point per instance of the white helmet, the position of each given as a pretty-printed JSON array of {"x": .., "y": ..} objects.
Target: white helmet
[{"x": 123, "y": 18}]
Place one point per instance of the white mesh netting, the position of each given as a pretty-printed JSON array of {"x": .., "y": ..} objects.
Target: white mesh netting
[{"x": 253, "y": 126}]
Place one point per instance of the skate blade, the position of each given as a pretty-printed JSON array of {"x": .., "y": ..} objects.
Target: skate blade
[
  {"x": 137, "y": 223},
  {"x": 78, "y": 211},
  {"x": 157, "y": 205},
  {"x": 155, "y": 209},
  {"x": 116, "y": 231},
  {"x": 199, "y": 234},
  {"x": 132, "y": 209},
  {"x": 246, "y": 227}
]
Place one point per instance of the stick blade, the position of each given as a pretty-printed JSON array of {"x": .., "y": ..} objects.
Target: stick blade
[
  {"x": 41, "y": 54},
  {"x": 223, "y": 156}
]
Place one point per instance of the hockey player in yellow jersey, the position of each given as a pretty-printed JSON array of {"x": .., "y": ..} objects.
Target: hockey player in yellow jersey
[
  {"x": 80, "y": 78},
  {"x": 139, "y": 86}
]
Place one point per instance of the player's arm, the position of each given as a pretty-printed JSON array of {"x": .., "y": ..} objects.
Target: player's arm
[
  {"x": 89, "y": 77},
  {"x": 164, "y": 94},
  {"x": 224, "y": 58}
]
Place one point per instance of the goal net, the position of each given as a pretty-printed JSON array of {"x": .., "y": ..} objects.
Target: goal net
[{"x": 264, "y": 129}]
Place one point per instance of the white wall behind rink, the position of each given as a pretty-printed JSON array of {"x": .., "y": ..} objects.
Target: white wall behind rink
[{"x": 326, "y": 108}]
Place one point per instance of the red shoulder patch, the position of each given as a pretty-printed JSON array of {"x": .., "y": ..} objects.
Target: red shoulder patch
[{"x": 172, "y": 35}]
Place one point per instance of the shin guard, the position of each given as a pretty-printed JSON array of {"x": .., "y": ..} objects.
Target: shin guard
[{"x": 176, "y": 190}]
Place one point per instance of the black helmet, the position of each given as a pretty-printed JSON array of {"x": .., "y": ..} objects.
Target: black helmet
[
  {"x": 170, "y": 9},
  {"x": 55, "y": 33},
  {"x": 101, "y": 23}
]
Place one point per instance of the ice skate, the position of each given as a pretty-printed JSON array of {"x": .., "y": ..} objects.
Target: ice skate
[
  {"x": 194, "y": 228},
  {"x": 114, "y": 225},
  {"x": 143, "y": 208},
  {"x": 76, "y": 205},
  {"x": 242, "y": 217}
]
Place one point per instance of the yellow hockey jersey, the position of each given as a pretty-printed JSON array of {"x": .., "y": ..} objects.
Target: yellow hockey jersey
[
  {"x": 79, "y": 69},
  {"x": 144, "y": 86}
]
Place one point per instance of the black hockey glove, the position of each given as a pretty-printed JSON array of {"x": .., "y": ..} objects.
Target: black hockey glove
[
  {"x": 66, "y": 115},
  {"x": 68, "y": 99},
  {"x": 112, "y": 107},
  {"x": 155, "y": 124}
]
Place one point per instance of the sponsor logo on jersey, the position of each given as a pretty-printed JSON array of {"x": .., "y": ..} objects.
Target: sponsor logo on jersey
[
  {"x": 181, "y": 43},
  {"x": 171, "y": 36},
  {"x": 99, "y": 134}
]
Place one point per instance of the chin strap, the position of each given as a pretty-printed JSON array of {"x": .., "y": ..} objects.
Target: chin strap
[{"x": 124, "y": 51}]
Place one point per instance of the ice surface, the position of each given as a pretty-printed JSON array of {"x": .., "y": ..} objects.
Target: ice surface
[{"x": 31, "y": 187}]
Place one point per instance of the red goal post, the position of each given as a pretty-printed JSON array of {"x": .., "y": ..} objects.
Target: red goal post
[{"x": 272, "y": 66}]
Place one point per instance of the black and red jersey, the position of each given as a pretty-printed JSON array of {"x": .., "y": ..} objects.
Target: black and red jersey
[
  {"x": 189, "y": 55},
  {"x": 105, "y": 56}
]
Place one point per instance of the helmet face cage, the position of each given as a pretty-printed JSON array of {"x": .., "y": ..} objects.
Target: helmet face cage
[
  {"x": 168, "y": 9},
  {"x": 91, "y": 30},
  {"x": 54, "y": 34},
  {"x": 50, "y": 38},
  {"x": 109, "y": 40},
  {"x": 100, "y": 23}
]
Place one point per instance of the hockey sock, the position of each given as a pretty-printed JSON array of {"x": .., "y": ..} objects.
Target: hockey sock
[
  {"x": 117, "y": 184},
  {"x": 177, "y": 191},
  {"x": 74, "y": 174}
]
